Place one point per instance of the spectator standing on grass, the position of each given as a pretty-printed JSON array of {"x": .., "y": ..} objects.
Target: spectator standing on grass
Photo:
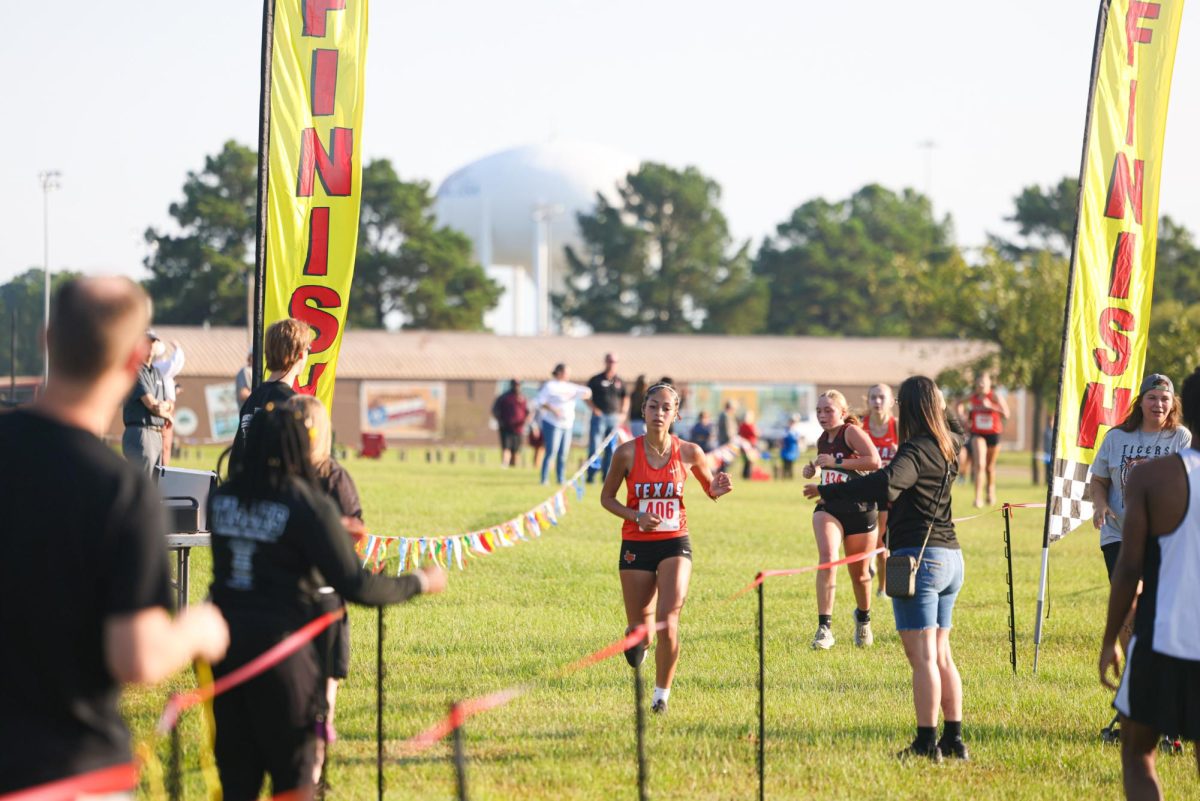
[
  {"x": 170, "y": 367},
  {"x": 727, "y": 424},
  {"x": 610, "y": 405},
  {"x": 637, "y": 398},
  {"x": 244, "y": 380},
  {"x": 556, "y": 401},
  {"x": 334, "y": 643},
  {"x": 277, "y": 538},
  {"x": 285, "y": 350},
  {"x": 511, "y": 412},
  {"x": 1152, "y": 429},
  {"x": 702, "y": 432},
  {"x": 84, "y": 581},
  {"x": 917, "y": 483},
  {"x": 146, "y": 413},
  {"x": 748, "y": 432},
  {"x": 789, "y": 446},
  {"x": 1159, "y": 691}
]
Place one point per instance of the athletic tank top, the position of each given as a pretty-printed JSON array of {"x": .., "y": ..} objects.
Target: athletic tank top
[
  {"x": 888, "y": 443},
  {"x": 1168, "y": 615},
  {"x": 982, "y": 419},
  {"x": 835, "y": 447},
  {"x": 659, "y": 492}
]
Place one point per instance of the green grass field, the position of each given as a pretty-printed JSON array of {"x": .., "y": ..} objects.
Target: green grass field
[{"x": 834, "y": 719}]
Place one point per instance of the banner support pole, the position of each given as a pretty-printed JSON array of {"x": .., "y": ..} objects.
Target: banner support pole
[
  {"x": 460, "y": 756},
  {"x": 380, "y": 668},
  {"x": 260, "y": 218}
]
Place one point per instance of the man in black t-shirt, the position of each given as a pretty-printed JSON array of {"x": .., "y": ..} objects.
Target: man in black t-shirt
[
  {"x": 83, "y": 577},
  {"x": 146, "y": 413},
  {"x": 610, "y": 405},
  {"x": 285, "y": 349}
]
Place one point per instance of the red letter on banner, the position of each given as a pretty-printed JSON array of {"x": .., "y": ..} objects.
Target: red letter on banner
[
  {"x": 315, "y": 11},
  {"x": 1138, "y": 11},
  {"x": 314, "y": 376},
  {"x": 1093, "y": 413},
  {"x": 317, "y": 260},
  {"x": 325, "y": 324},
  {"x": 1122, "y": 265},
  {"x": 1114, "y": 338},
  {"x": 1121, "y": 186},
  {"x": 334, "y": 166},
  {"x": 323, "y": 81},
  {"x": 1132, "y": 113}
]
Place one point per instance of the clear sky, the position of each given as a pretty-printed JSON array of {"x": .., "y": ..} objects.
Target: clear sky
[{"x": 779, "y": 101}]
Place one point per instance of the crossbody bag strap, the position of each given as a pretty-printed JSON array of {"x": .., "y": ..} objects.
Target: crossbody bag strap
[{"x": 936, "y": 505}]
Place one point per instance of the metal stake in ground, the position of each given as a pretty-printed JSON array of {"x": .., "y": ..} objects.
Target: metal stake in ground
[
  {"x": 379, "y": 671},
  {"x": 762, "y": 714},
  {"x": 174, "y": 781},
  {"x": 640, "y": 722},
  {"x": 460, "y": 757},
  {"x": 1012, "y": 619}
]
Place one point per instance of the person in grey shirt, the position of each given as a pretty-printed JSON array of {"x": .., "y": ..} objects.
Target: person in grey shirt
[{"x": 1153, "y": 428}]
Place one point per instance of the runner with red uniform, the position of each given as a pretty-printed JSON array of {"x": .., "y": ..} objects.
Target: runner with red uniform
[
  {"x": 880, "y": 426},
  {"x": 985, "y": 415},
  {"x": 656, "y": 551},
  {"x": 843, "y": 450}
]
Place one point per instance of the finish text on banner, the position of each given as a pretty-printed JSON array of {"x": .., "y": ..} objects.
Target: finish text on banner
[
  {"x": 315, "y": 166},
  {"x": 1108, "y": 308}
]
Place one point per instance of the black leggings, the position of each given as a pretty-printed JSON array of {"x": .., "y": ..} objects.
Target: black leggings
[{"x": 268, "y": 726}]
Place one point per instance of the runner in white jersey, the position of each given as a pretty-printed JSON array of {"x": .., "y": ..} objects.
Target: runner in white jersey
[{"x": 1159, "y": 691}]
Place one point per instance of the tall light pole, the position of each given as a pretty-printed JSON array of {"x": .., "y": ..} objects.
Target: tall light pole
[{"x": 49, "y": 179}]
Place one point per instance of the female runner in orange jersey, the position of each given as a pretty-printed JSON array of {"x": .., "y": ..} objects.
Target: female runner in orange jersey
[
  {"x": 880, "y": 425},
  {"x": 656, "y": 552}
]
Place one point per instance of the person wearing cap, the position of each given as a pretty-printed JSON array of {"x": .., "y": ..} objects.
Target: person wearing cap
[
  {"x": 170, "y": 367},
  {"x": 1153, "y": 428},
  {"x": 146, "y": 413}
]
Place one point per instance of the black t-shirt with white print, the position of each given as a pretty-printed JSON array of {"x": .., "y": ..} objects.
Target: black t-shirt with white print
[
  {"x": 81, "y": 542},
  {"x": 271, "y": 555},
  {"x": 276, "y": 392}
]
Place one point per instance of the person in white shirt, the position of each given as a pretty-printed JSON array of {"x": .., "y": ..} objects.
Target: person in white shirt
[
  {"x": 169, "y": 366},
  {"x": 556, "y": 404}
]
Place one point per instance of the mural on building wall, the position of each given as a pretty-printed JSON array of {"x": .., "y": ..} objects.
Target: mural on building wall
[
  {"x": 221, "y": 400},
  {"x": 403, "y": 409}
]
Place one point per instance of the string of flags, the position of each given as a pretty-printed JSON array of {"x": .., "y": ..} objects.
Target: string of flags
[{"x": 457, "y": 549}]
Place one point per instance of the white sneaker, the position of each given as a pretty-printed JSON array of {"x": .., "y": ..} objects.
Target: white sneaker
[
  {"x": 863, "y": 637},
  {"x": 823, "y": 639}
]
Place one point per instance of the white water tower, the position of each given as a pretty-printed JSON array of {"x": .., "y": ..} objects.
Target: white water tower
[{"x": 519, "y": 207}]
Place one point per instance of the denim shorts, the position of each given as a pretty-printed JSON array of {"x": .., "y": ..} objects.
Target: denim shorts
[{"x": 939, "y": 578}]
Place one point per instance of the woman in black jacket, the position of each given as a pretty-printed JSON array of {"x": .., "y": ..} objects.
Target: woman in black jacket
[
  {"x": 276, "y": 539},
  {"x": 917, "y": 483}
]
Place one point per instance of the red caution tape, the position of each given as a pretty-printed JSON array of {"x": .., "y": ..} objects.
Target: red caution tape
[
  {"x": 1000, "y": 508},
  {"x": 764, "y": 575},
  {"x": 464, "y": 710},
  {"x": 256, "y": 666},
  {"x": 115, "y": 779}
]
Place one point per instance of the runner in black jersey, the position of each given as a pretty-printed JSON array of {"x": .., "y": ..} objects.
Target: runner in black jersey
[{"x": 843, "y": 450}]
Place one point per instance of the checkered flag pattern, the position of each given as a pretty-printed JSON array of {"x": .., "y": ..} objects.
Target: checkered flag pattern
[{"x": 1069, "y": 506}]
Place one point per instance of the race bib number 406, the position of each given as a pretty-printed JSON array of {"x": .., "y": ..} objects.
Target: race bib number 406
[{"x": 666, "y": 509}]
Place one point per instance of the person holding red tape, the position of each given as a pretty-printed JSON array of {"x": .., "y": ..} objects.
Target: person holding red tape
[
  {"x": 656, "y": 550},
  {"x": 880, "y": 426},
  {"x": 843, "y": 450}
]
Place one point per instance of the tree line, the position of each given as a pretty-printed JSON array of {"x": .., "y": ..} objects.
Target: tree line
[{"x": 659, "y": 258}]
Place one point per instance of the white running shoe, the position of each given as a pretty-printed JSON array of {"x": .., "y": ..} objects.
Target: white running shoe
[
  {"x": 863, "y": 637},
  {"x": 823, "y": 639}
]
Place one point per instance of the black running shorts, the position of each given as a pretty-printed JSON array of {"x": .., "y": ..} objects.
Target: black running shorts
[
  {"x": 1161, "y": 692},
  {"x": 854, "y": 521},
  {"x": 648, "y": 554}
]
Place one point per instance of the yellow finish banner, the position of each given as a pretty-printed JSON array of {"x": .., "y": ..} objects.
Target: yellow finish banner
[
  {"x": 1112, "y": 269},
  {"x": 318, "y": 54}
]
